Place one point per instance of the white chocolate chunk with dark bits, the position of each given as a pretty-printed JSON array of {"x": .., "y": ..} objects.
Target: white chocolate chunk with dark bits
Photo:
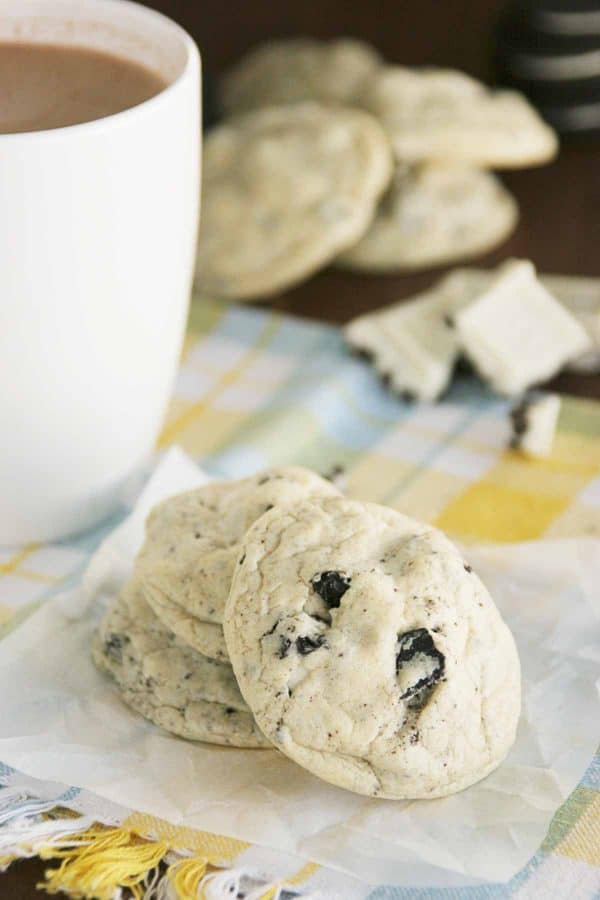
[
  {"x": 412, "y": 344},
  {"x": 534, "y": 422},
  {"x": 579, "y": 295},
  {"x": 516, "y": 334},
  {"x": 370, "y": 652}
]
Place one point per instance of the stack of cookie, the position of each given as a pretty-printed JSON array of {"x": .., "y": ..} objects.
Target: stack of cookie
[
  {"x": 328, "y": 155},
  {"x": 273, "y": 612},
  {"x": 162, "y": 641}
]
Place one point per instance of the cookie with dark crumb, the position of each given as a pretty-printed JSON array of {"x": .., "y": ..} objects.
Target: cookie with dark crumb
[
  {"x": 193, "y": 540},
  {"x": 432, "y": 215},
  {"x": 370, "y": 652},
  {"x": 296, "y": 70},
  {"x": 166, "y": 681},
  {"x": 285, "y": 189}
]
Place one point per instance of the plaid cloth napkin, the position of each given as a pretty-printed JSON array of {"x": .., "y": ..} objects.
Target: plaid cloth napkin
[{"x": 260, "y": 388}]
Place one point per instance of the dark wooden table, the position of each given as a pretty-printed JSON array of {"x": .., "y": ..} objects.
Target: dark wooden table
[{"x": 559, "y": 227}]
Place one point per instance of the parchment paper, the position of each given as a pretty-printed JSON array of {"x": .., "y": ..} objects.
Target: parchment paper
[{"x": 61, "y": 720}]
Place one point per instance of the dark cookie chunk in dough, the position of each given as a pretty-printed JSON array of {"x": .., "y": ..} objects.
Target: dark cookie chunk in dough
[
  {"x": 284, "y": 646},
  {"x": 307, "y": 644},
  {"x": 331, "y": 587},
  {"x": 419, "y": 665},
  {"x": 113, "y": 646}
]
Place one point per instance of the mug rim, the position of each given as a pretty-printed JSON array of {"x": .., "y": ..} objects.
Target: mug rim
[{"x": 191, "y": 65}]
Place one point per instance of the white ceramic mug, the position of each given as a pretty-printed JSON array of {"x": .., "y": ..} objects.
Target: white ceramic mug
[{"x": 98, "y": 228}]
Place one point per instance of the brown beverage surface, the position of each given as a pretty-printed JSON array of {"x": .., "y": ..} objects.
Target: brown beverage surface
[{"x": 50, "y": 85}]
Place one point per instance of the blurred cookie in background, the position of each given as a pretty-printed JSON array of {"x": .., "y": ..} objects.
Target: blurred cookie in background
[
  {"x": 298, "y": 69},
  {"x": 292, "y": 184},
  {"x": 433, "y": 214},
  {"x": 285, "y": 190},
  {"x": 447, "y": 116}
]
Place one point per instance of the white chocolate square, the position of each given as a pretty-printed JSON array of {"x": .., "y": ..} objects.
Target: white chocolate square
[
  {"x": 410, "y": 343},
  {"x": 516, "y": 333},
  {"x": 579, "y": 295}
]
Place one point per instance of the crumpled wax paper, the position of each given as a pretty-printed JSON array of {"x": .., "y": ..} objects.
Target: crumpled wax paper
[{"x": 62, "y": 720}]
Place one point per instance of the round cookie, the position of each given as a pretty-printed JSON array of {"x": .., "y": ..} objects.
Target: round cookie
[
  {"x": 432, "y": 215},
  {"x": 193, "y": 540},
  {"x": 291, "y": 71},
  {"x": 205, "y": 637},
  {"x": 444, "y": 115},
  {"x": 285, "y": 190},
  {"x": 168, "y": 682},
  {"x": 369, "y": 652}
]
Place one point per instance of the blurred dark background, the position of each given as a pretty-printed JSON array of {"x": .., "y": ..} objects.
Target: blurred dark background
[
  {"x": 441, "y": 32},
  {"x": 522, "y": 42}
]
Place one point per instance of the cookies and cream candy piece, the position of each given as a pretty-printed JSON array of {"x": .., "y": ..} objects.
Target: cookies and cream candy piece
[
  {"x": 292, "y": 71},
  {"x": 434, "y": 214},
  {"x": 413, "y": 344},
  {"x": 168, "y": 682},
  {"x": 205, "y": 637},
  {"x": 285, "y": 190},
  {"x": 193, "y": 540},
  {"x": 516, "y": 333},
  {"x": 410, "y": 343},
  {"x": 580, "y": 295},
  {"x": 370, "y": 652},
  {"x": 445, "y": 115},
  {"x": 534, "y": 423}
]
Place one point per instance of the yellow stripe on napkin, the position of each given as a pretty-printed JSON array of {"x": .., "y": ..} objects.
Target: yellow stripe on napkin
[
  {"x": 216, "y": 848},
  {"x": 190, "y": 413}
]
